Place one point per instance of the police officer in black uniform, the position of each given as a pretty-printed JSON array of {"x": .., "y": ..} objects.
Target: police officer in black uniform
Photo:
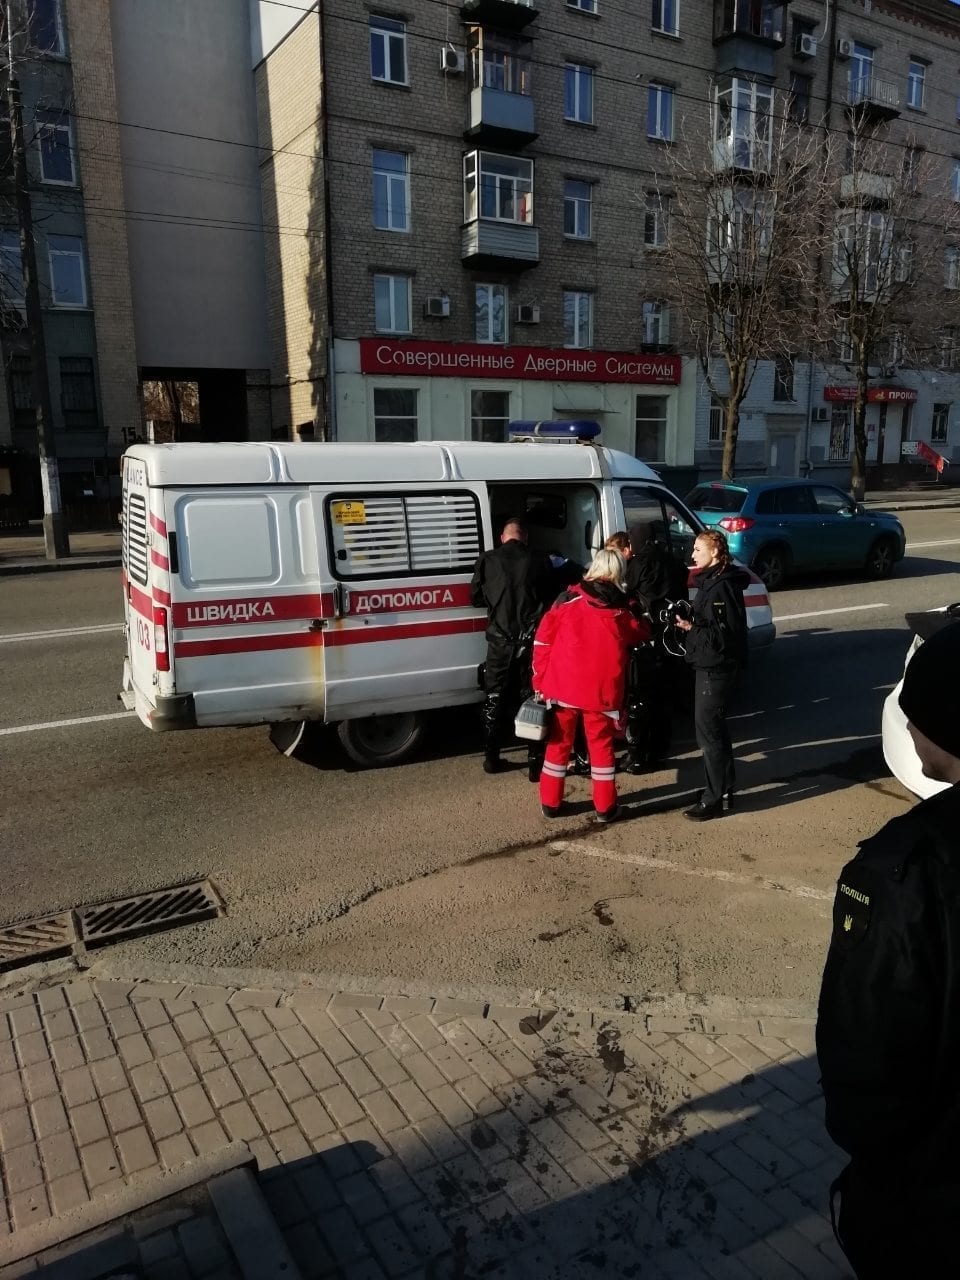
[
  {"x": 515, "y": 585},
  {"x": 888, "y": 1029}
]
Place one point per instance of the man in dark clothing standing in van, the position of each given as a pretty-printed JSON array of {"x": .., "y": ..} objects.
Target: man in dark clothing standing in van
[
  {"x": 888, "y": 1026},
  {"x": 514, "y": 585}
]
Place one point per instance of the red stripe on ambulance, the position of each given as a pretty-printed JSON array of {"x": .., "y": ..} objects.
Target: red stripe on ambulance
[
  {"x": 455, "y": 595},
  {"x": 247, "y": 609},
  {"x": 158, "y": 524},
  {"x": 327, "y": 639},
  {"x": 160, "y": 561}
]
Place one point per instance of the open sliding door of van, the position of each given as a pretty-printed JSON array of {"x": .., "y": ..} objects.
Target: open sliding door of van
[
  {"x": 247, "y": 604},
  {"x": 404, "y": 637}
]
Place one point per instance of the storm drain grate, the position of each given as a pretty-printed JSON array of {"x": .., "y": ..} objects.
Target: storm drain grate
[
  {"x": 95, "y": 926},
  {"x": 36, "y": 939},
  {"x": 147, "y": 913}
]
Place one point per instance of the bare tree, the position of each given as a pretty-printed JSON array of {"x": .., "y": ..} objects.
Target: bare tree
[
  {"x": 739, "y": 259},
  {"x": 891, "y": 295}
]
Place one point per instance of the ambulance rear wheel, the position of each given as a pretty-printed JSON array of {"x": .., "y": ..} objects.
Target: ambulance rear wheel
[{"x": 380, "y": 740}]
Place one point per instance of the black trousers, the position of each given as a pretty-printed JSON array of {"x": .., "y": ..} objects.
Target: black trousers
[
  {"x": 506, "y": 682},
  {"x": 713, "y": 690},
  {"x": 891, "y": 1232},
  {"x": 649, "y": 705}
]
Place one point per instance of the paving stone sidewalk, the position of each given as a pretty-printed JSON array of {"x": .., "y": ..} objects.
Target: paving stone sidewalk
[{"x": 404, "y": 1137}]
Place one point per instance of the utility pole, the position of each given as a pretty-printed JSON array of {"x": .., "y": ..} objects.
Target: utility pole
[{"x": 55, "y": 539}]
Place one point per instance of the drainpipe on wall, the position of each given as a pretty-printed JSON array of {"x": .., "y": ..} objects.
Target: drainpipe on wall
[{"x": 331, "y": 431}]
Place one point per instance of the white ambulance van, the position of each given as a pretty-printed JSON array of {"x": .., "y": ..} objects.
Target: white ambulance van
[{"x": 294, "y": 583}]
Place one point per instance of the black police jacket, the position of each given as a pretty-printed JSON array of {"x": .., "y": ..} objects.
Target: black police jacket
[
  {"x": 655, "y": 576},
  {"x": 514, "y": 585},
  {"x": 888, "y": 1027},
  {"x": 719, "y": 634}
]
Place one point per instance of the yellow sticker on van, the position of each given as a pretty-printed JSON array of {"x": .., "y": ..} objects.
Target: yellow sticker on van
[{"x": 348, "y": 512}]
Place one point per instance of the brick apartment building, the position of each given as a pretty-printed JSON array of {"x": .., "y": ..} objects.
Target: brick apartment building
[{"x": 478, "y": 183}]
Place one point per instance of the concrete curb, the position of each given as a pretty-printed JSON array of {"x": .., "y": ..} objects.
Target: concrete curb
[
  {"x": 58, "y": 566},
  {"x": 98, "y": 1213},
  {"x": 699, "y": 1011}
]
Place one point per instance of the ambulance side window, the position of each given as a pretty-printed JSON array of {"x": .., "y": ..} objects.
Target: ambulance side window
[
  {"x": 398, "y": 535},
  {"x": 135, "y": 553},
  {"x": 228, "y": 540}
]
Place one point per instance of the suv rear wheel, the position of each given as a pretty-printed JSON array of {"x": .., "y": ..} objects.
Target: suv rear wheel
[{"x": 770, "y": 565}]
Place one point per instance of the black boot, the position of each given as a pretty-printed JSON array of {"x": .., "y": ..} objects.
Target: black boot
[
  {"x": 491, "y": 735},
  {"x": 534, "y": 764}
]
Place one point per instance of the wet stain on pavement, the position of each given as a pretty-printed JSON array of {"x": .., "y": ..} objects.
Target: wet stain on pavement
[
  {"x": 609, "y": 1051},
  {"x": 482, "y": 1136},
  {"x": 552, "y": 937},
  {"x": 601, "y": 910}
]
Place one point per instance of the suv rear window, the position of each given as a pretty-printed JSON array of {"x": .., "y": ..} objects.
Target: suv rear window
[{"x": 707, "y": 497}]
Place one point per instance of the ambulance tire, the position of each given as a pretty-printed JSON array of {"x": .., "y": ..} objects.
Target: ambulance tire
[
  {"x": 297, "y": 739},
  {"x": 374, "y": 741}
]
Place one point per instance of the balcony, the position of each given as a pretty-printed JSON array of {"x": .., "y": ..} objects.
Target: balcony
[
  {"x": 748, "y": 34},
  {"x": 867, "y": 189},
  {"x": 507, "y": 15},
  {"x": 872, "y": 99},
  {"x": 497, "y": 118},
  {"x": 489, "y": 244}
]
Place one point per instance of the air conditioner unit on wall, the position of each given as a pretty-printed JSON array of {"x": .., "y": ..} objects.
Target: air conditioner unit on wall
[
  {"x": 528, "y": 313},
  {"x": 805, "y": 46},
  {"x": 820, "y": 413},
  {"x": 844, "y": 48},
  {"x": 437, "y": 308},
  {"x": 453, "y": 61}
]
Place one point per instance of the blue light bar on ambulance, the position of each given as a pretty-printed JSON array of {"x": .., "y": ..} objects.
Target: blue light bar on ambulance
[{"x": 578, "y": 430}]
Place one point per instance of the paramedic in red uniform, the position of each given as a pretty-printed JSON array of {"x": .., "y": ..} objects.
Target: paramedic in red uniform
[
  {"x": 580, "y": 665},
  {"x": 514, "y": 585}
]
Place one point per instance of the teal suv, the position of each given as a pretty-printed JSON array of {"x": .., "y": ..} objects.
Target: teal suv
[{"x": 778, "y": 527}]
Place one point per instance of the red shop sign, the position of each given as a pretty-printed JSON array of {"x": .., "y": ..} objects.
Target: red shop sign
[
  {"x": 875, "y": 395},
  {"x": 545, "y": 364}
]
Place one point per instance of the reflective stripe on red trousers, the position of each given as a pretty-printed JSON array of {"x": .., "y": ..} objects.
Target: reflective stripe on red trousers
[{"x": 601, "y": 733}]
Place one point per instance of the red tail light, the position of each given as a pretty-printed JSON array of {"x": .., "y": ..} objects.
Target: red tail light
[
  {"x": 737, "y": 524},
  {"x": 160, "y": 647}
]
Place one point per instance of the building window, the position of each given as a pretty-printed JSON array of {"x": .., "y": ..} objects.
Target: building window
[
  {"x": 497, "y": 63},
  {"x": 715, "y": 424},
  {"x": 916, "y": 72},
  {"x": 840, "y": 434},
  {"x": 56, "y": 147},
  {"x": 656, "y": 220},
  {"x": 489, "y": 415},
  {"x": 490, "y": 312},
  {"x": 45, "y": 23},
  {"x": 388, "y": 50},
  {"x": 912, "y": 162},
  {"x": 585, "y": 6},
  {"x": 68, "y": 283},
  {"x": 660, "y": 112},
  {"x": 655, "y": 324},
  {"x": 577, "y": 318},
  {"x": 21, "y": 393},
  {"x": 798, "y": 104},
  {"x": 665, "y": 17},
  {"x": 861, "y": 73},
  {"x": 742, "y": 133},
  {"x": 391, "y": 296},
  {"x": 394, "y": 415},
  {"x": 763, "y": 19},
  {"x": 504, "y": 184},
  {"x": 391, "y": 191},
  {"x": 783, "y": 378},
  {"x": 951, "y": 267},
  {"x": 941, "y": 420},
  {"x": 947, "y": 349},
  {"x": 577, "y": 209},
  {"x": 78, "y": 397},
  {"x": 955, "y": 181},
  {"x": 651, "y": 428},
  {"x": 903, "y": 268},
  {"x": 11, "y": 269},
  {"x": 578, "y": 93},
  {"x": 863, "y": 254},
  {"x": 844, "y": 346}
]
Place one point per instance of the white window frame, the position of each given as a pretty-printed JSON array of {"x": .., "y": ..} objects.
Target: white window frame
[
  {"x": 940, "y": 422},
  {"x": 475, "y": 418},
  {"x": 386, "y": 31},
  {"x": 393, "y": 180},
  {"x": 715, "y": 422},
  {"x": 60, "y": 48},
  {"x": 583, "y": 6},
  {"x": 582, "y": 206},
  {"x": 509, "y": 189},
  {"x": 784, "y": 380},
  {"x": 402, "y": 386},
  {"x": 743, "y": 125},
  {"x": 947, "y": 348},
  {"x": 665, "y": 17},
  {"x": 839, "y": 442},
  {"x": 11, "y": 268},
  {"x": 578, "y": 76},
  {"x": 54, "y": 253},
  {"x": 916, "y": 83},
  {"x": 873, "y": 257},
  {"x": 656, "y": 220},
  {"x": 654, "y": 323},
  {"x": 844, "y": 346},
  {"x": 55, "y": 122},
  {"x": 660, "y": 112},
  {"x": 582, "y": 319},
  {"x": 492, "y": 333},
  {"x": 951, "y": 267},
  {"x": 397, "y": 323},
  {"x": 861, "y": 72},
  {"x": 955, "y": 180},
  {"x": 903, "y": 268}
]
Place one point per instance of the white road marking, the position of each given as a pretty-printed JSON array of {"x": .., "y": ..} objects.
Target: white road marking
[
  {"x": 941, "y": 542},
  {"x": 66, "y": 724},
  {"x": 823, "y": 613},
  {"x": 700, "y": 873},
  {"x": 60, "y": 633}
]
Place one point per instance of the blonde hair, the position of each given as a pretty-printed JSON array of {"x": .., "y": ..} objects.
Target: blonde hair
[
  {"x": 607, "y": 566},
  {"x": 717, "y": 541}
]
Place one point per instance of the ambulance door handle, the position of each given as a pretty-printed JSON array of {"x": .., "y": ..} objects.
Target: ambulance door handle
[{"x": 340, "y": 601}]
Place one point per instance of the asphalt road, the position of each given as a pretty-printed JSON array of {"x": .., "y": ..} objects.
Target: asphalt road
[{"x": 433, "y": 872}]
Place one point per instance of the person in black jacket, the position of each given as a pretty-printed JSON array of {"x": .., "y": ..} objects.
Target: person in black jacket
[
  {"x": 515, "y": 585},
  {"x": 716, "y": 648},
  {"x": 888, "y": 1026}
]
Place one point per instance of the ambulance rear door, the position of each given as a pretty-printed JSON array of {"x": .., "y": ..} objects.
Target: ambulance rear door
[{"x": 404, "y": 636}]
